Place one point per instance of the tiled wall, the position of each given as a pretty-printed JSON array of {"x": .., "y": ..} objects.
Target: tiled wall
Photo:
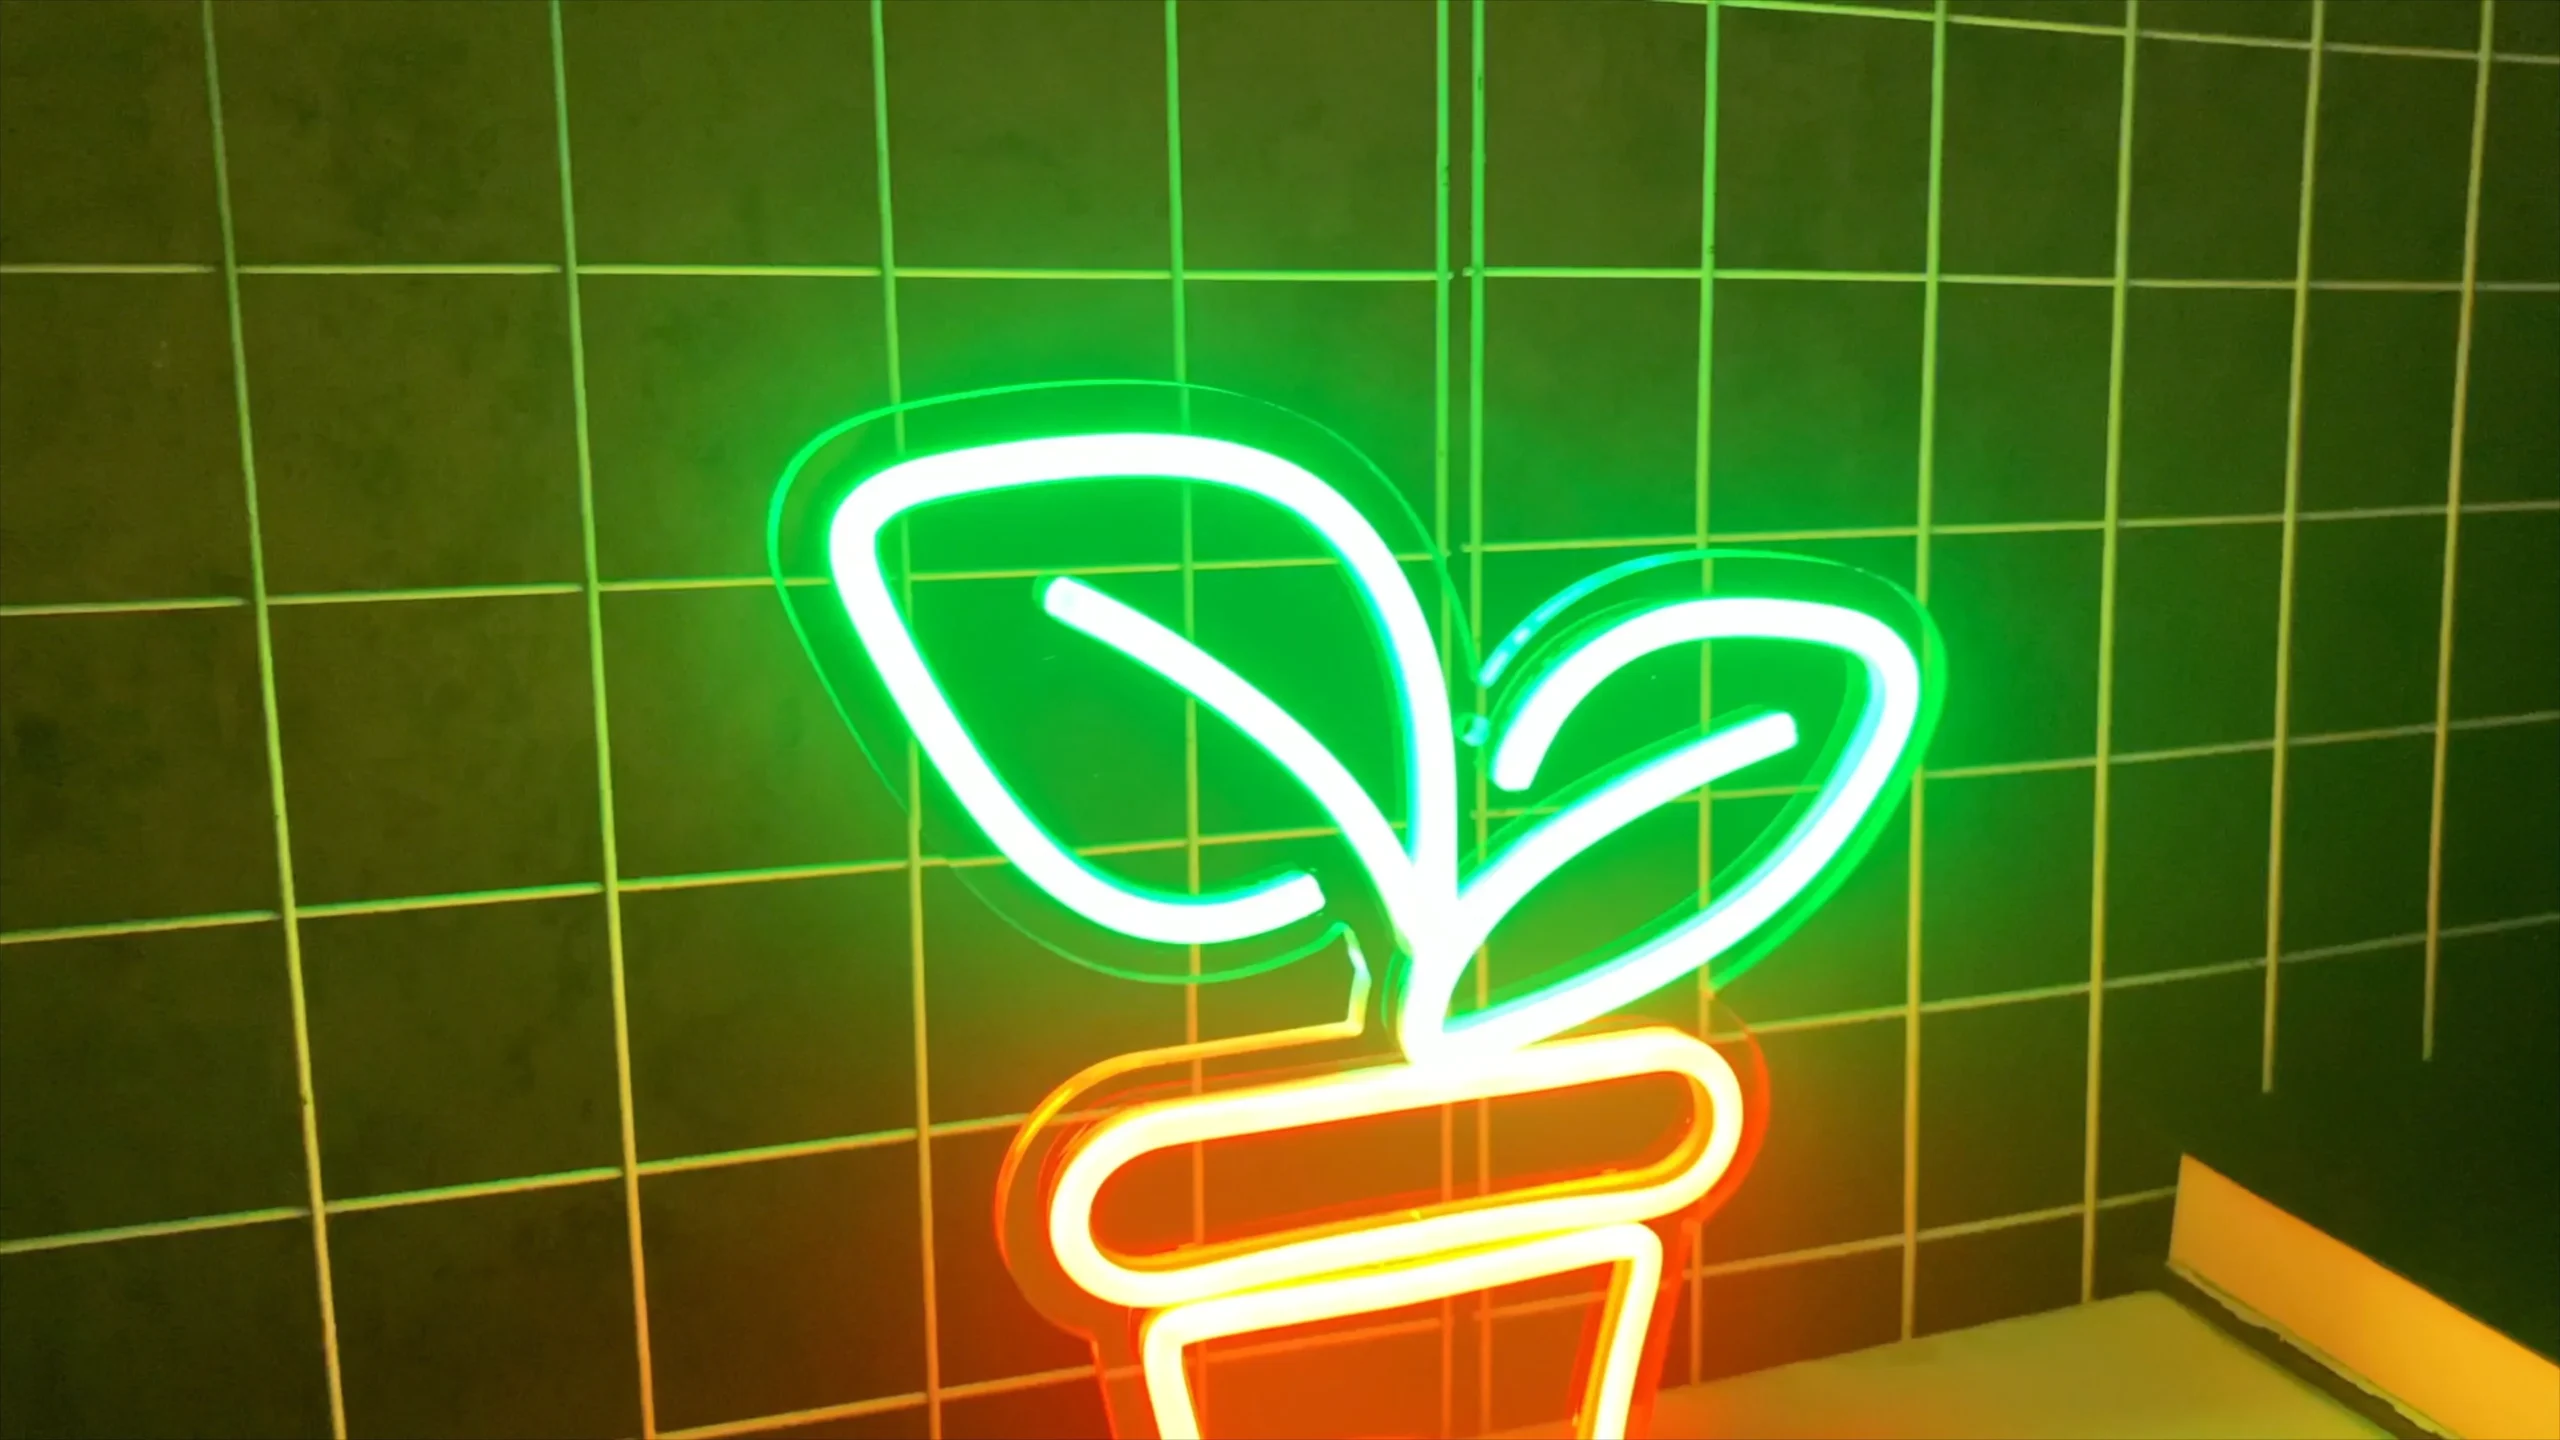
[{"x": 394, "y": 706}]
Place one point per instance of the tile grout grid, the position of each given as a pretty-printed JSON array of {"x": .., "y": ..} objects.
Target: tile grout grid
[{"x": 1444, "y": 276}]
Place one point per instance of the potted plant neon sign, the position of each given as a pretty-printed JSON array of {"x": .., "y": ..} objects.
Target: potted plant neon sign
[{"x": 843, "y": 508}]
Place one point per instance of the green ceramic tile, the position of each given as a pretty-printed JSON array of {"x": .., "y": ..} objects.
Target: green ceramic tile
[
  {"x": 699, "y": 390},
  {"x": 174, "y": 1335},
  {"x": 2520, "y": 172},
  {"x": 1308, "y": 146},
  {"x": 1059, "y": 109},
  {"x": 2501, "y": 824},
  {"x": 2180, "y": 1056},
  {"x": 2195, "y": 638},
  {"x": 156, "y": 1081},
  {"x": 2187, "y": 863},
  {"x": 2368, "y": 597},
  {"x": 2005, "y": 892},
  {"x": 457, "y": 1046},
  {"x": 399, "y": 134},
  {"x": 1822, "y": 142},
  {"x": 2355, "y": 841},
  {"x": 2003, "y": 1109},
  {"x": 1968, "y": 1280},
  {"x": 413, "y": 431},
  {"x": 787, "y": 176},
  {"x": 769, "y": 1013},
  {"x": 135, "y": 769},
  {"x": 2511, "y": 438},
  {"x": 1591, "y": 405},
  {"x": 2506, "y": 615},
  {"x": 123, "y": 440},
  {"x": 2019, "y": 614},
  {"x": 1619, "y": 184},
  {"x": 2395, "y": 148},
  {"x": 2217, "y": 159},
  {"x": 2377, "y": 401},
  {"x": 106, "y": 152},
  {"x": 2021, "y": 430},
  {"x": 2207, "y": 375},
  {"x": 438, "y": 746},
  {"x": 785, "y": 1286},
  {"x": 1817, "y": 406},
  {"x": 2030, "y": 152},
  {"x": 506, "y": 1315}
]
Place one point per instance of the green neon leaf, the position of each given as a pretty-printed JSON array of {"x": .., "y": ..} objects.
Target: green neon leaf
[{"x": 1543, "y": 673}]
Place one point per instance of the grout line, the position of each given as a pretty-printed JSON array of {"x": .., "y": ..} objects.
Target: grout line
[
  {"x": 962, "y": 272},
  {"x": 2289, "y": 546},
  {"x": 789, "y": 1150},
  {"x": 696, "y": 271},
  {"x": 1476, "y": 328},
  {"x": 708, "y": 879},
  {"x": 1710, "y": 137},
  {"x": 463, "y": 900},
  {"x": 82, "y": 267},
  {"x": 1924, "y": 519},
  {"x": 1442, "y": 280},
  {"x": 616, "y": 963},
  {"x": 476, "y": 1190},
  {"x": 116, "y": 929},
  {"x": 1812, "y": 1254},
  {"x": 2420, "y": 52},
  {"x": 2192, "y": 972},
  {"x": 429, "y": 268},
  {"x": 2010, "y": 767},
  {"x": 2501, "y": 722},
  {"x": 894, "y": 365},
  {"x": 2351, "y": 737},
  {"x": 43, "y": 609},
  {"x": 761, "y": 1424},
  {"x": 2453, "y": 534},
  {"x": 72, "y": 1240},
  {"x": 448, "y": 592},
  {"x": 2103, "y": 795},
  {"x": 1177, "y": 260},
  {"x": 308, "y": 1108},
  {"x": 2143, "y": 522},
  {"x": 2500, "y": 927},
  {"x": 2073, "y": 1211},
  {"x": 2192, "y": 752}
]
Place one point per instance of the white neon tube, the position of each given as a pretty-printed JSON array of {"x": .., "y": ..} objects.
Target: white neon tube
[
  {"x": 1235, "y": 699},
  {"x": 1165, "y": 1124},
  {"x": 1633, "y": 1252},
  {"x": 1430, "y": 748},
  {"x": 1888, "y": 713}
]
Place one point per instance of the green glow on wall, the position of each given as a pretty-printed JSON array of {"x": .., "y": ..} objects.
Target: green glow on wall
[{"x": 1538, "y": 677}]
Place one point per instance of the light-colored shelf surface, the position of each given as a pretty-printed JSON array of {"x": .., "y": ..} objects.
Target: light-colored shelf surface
[{"x": 2141, "y": 1367}]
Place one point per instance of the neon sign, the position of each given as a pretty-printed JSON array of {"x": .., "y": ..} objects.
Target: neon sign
[{"x": 1144, "y": 1312}]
